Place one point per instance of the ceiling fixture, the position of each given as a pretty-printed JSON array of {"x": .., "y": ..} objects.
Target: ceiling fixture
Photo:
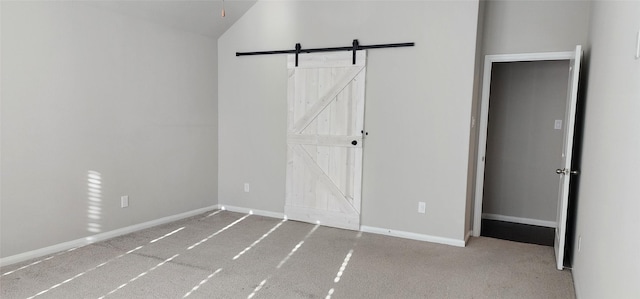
[{"x": 222, "y": 13}]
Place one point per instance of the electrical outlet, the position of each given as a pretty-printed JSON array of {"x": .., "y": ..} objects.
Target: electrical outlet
[
  {"x": 124, "y": 201},
  {"x": 422, "y": 207},
  {"x": 246, "y": 187}
]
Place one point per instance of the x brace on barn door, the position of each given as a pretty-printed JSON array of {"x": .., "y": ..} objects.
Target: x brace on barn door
[{"x": 355, "y": 47}]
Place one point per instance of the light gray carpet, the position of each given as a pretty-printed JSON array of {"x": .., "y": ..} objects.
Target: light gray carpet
[{"x": 285, "y": 259}]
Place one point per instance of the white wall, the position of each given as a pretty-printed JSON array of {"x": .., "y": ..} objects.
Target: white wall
[
  {"x": 88, "y": 90},
  {"x": 417, "y": 110},
  {"x": 606, "y": 263},
  {"x": 519, "y": 26}
]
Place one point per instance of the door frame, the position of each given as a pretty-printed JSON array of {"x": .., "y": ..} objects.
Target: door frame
[{"x": 484, "y": 118}]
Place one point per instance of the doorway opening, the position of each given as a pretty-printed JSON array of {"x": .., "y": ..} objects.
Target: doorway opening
[{"x": 525, "y": 143}]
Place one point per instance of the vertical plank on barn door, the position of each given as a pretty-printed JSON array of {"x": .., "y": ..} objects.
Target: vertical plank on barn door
[{"x": 325, "y": 119}]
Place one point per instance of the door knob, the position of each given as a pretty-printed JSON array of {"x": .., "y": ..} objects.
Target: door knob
[
  {"x": 354, "y": 142},
  {"x": 566, "y": 171}
]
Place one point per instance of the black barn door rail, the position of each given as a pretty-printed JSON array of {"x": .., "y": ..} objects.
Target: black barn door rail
[{"x": 354, "y": 47}]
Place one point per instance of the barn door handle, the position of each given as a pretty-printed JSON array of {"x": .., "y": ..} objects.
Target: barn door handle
[
  {"x": 561, "y": 171},
  {"x": 354, "y": 142}
]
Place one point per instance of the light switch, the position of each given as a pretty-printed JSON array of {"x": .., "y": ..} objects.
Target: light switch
[
  {"x": 558, "y": 124},
  {"x": 421, "y": 207}
]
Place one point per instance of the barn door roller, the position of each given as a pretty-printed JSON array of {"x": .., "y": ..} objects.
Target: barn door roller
[{"x": 355, "y": 46}]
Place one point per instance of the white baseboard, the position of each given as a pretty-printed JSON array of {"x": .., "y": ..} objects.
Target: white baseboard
[
  {"x": 133, "y": 228},
  {"x": 366, "y": 229},
  {"x": 252, "y": 211},
  {"x": 99, "y": 237},
  {"x": 412, "y": 236},
  {"x": 529, "y": 221}
]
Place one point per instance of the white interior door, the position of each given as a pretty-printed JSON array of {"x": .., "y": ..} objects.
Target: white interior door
[
  {"x": 565, "y": 171},
  {"x": 324, "y": 139}
]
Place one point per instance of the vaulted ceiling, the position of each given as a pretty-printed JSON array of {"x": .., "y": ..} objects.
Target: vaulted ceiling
[{"x": 197, "y": 16}]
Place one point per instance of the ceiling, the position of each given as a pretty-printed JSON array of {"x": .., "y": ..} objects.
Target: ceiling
[{"x": 197, "y": 16}]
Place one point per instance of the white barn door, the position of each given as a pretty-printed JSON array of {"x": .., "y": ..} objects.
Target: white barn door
[{"x": 324, "y": 138}]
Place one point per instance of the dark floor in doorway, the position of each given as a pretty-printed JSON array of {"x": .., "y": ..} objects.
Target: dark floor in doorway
[{"x": 518, "y": 232}]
